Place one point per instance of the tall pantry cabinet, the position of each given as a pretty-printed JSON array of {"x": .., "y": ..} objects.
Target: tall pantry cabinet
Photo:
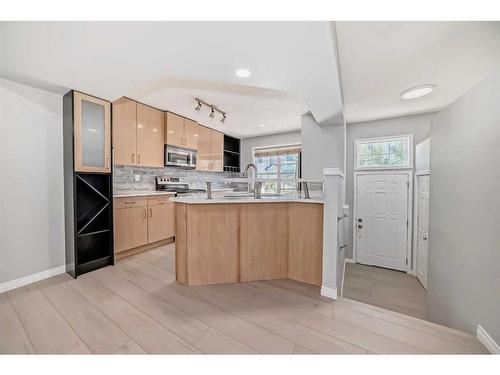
[{"x": 87, "y": 183}]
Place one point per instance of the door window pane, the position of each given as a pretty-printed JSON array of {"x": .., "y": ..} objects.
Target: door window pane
[{"x": 92, "y": 136}]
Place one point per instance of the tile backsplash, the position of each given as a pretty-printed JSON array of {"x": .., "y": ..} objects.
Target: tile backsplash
[{"x": 123, "y": 177}]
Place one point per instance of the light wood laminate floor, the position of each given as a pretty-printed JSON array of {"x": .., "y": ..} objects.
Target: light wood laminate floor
[
  {"x": 136, "y": 307},
  {"x": 392, "y": 290}
]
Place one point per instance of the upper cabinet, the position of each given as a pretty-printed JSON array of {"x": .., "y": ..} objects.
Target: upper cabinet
[
  {"x": 181, "y": 131},
  {"x": 210, "y": 150},
  {"x": 92, "y": 134},
  {"x": 138, "y": 134},
  {"x": 204, "y": 150},
  {"x": 150, "y": 136},
  {"x": 125, "y": 132},
  {"x": 191, "y": 134},
  {"x": 217, "y": 149},
  {"x": 174, "y": 129}
]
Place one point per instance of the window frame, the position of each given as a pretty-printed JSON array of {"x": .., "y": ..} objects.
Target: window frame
[
  {"x": 387, "y": 138},
  {"x": 279, "y": 190}
]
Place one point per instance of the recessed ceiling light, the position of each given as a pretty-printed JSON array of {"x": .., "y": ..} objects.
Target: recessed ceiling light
[
  {"x": 262, "y": 125},
  {"x": 243, "y": 73},
  {"x": 417, "y": 92}
]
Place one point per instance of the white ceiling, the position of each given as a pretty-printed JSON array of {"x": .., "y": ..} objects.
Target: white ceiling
[
  {"x": 167, "y": 64},
  {"x": 379, "y": 60}
]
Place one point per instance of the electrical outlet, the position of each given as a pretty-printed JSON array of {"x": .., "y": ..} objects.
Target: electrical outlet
[{"x": 137, "y": 177}]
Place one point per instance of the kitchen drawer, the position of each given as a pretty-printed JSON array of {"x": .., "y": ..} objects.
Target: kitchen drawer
[
  {"x": 159, "y": 199},
  {"x": 127, "y": 202}
]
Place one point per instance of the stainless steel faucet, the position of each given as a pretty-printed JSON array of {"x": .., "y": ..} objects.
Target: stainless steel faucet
[{"x": 245, "y": 174}]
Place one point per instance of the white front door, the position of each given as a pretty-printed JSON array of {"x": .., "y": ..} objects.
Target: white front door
[
  {"x": 381, "y": 220},
  {"x": 423, "y": 229}
]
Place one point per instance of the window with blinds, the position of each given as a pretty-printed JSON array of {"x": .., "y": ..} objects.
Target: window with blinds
[{"x": 278, "y": 163}]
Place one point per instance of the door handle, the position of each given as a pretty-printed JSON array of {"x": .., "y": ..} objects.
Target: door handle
[
  {"x": 145, "y": 213},
  {"x": 424, "y": 238},
  {"x": 133, "y": 157},
  {"x": 150, "y": 212},
  {"x": 138, "y": 158}
]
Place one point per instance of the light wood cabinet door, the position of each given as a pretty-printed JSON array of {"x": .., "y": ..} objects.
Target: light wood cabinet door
[
  {"x": 92, "y": 134},
  {"x": 217, "y": 150},
  {"x": 212, "y": 243},
  {"x": 150, "y": 136},
  {"x": 174, "y": 130},
  {"x": 130, "y": 228},
  {"x": 125, "y": 132},
  {"x": 204, "y": 149},
  {"x": 191, "y": 134},
  {"x": 161, "y": 221},
  {"x": 263, "y": 241},
  {"x": 305, "y": 251}
]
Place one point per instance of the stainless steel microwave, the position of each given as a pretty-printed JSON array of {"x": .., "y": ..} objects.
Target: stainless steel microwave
[{"x": 180, "y": 157}]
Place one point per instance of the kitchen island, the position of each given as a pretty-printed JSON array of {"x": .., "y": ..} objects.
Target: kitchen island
[{"x": 239, "y": 239}]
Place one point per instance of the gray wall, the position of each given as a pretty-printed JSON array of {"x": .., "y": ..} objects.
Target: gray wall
[
  {"x": 31, "y": 181},
  {"x": 265, "y": 141},
  {"x": 322, "y": 147},
  {"x": 464, "y": 247},
  {"x": 418, "y": 125}
]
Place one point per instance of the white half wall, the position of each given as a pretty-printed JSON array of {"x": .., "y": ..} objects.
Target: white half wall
[{"x": 31, "y": 181}]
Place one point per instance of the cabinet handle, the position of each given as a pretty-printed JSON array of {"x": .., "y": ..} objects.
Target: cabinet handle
[
  {"x": 138, "y": 158},
  {"x": 133, "y": 157},
  {"x": 150, "y": 212},
  {"x": 107, "y": 162},
  {"x": 129, "y": 202},
  {"x": 145, "y": 213}
]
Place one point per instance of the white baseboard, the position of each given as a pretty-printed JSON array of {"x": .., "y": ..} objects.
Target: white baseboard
[
  {"x": 329, "y": 292},
  {"x": 487, "y": 340},
  {"x": 17, "y": 283},
  {"x": 349, "y": 260}
]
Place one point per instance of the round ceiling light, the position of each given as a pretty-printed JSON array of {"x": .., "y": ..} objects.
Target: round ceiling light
[
  {"x": 243, "y": 73},
  {"x": 417, "y": 92}
]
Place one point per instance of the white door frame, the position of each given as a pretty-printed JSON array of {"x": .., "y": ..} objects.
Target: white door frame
[
  {"x": 415, "y": 219},
  {"x": 409, "y": 235}
]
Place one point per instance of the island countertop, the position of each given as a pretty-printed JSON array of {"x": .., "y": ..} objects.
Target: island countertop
[{"x": 202, "y": 199}]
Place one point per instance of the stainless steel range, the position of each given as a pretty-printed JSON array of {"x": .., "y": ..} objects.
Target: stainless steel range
[{"x": 174, "y": 184}]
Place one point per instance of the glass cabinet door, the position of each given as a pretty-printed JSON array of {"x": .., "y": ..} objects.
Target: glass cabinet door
[{"x": 92, "y": 120}]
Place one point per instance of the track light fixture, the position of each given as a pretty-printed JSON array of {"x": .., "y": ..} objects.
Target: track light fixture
[{"x": 213, "y": 109}]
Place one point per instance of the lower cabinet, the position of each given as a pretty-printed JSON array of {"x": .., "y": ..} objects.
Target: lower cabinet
[
  {"x": 228, "y": 243},
  {"x": 161, "y": 221},
  {"x": 263, "y": 241},
  {"x": 139, "y": 221}
]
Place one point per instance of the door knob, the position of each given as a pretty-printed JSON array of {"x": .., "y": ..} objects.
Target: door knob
[
  {"x": 360, "y": 220},
  {"x": 360, "y": 226}
]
